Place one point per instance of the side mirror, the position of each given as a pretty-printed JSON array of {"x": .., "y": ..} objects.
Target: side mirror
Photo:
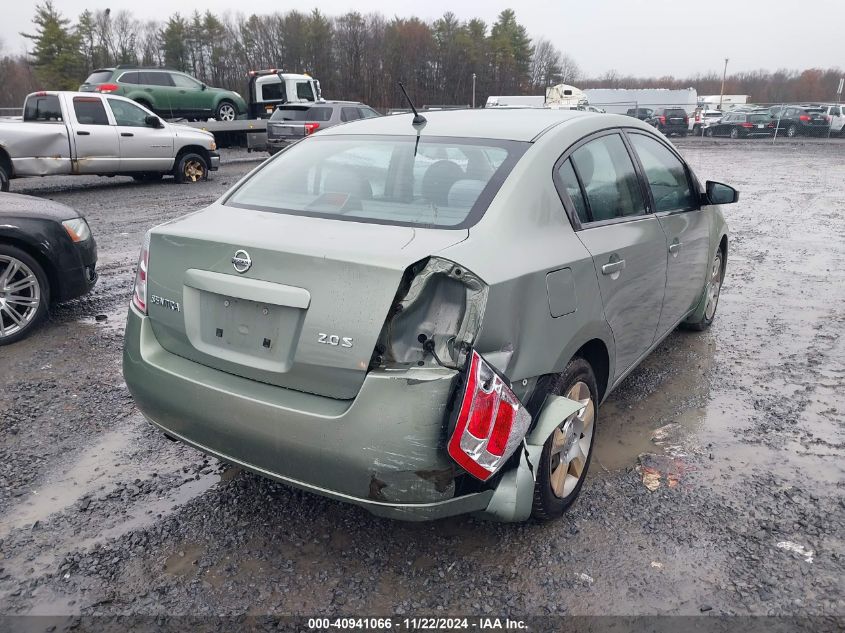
[
  {"x": 153, "y": 121},
  {"x": 718, "y": 193}
]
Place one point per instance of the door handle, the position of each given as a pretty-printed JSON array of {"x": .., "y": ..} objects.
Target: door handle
[
  {"x": 674, "y": 247},
  {"x": 613, "y": 267},
  {"x": 83, "y": 133},
  {"x": 126, "y": 134}
]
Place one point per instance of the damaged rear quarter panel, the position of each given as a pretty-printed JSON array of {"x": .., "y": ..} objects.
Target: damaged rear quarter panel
[{"x": 524, "y": 235}]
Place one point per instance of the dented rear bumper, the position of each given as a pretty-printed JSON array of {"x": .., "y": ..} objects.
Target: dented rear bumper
[{"x": 384, "y": 450}]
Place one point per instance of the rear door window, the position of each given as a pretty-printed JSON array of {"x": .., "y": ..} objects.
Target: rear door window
[
  {"x": 611, "y": 185},
  {"x": 130, "y": 78},
  {"x": 349, "y": 114},
  {"x": 665, "y": 173},
  {"x": 43, "y": 108},
  {"x": 156, "y": 78},
  {"x": 90, "y": 111},
  {"x": 573, "y": 189}
]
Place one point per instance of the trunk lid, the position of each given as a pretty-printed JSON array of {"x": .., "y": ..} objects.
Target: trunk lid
[{"x": 307, "y": 310}]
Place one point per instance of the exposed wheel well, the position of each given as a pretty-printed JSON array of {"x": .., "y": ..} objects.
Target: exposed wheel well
[
  {"x": 45, "y": 263},
  {"x": 595, "y": 352}
]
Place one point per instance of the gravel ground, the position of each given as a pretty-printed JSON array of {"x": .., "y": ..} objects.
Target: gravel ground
[{"x": 742, "y": 428}]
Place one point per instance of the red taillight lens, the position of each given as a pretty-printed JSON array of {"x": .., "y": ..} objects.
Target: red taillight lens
[
  {"x": 747, "y": 124},
  {"x": 139, "y": 293},
  {"x": 804, "y": 117},
  {"x": 310, "y": 128},
  {"x": 662, "y": 120},
  {"x": 490, "y": 423},
  {"x": 107, "y": 88}
]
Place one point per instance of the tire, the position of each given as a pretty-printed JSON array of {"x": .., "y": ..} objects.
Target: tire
[
  {"x": 712, "y": 290},
  {"x": 17, "y": 318},
  {"x": 791, "y": 131},
  {"x": 191, "y": 167},
  {"x": 555, "y": 489},
  {"x": 696, "y": 129},
  {"x": 226, "y": 111},
  {"x": 145, "y": 104},
  {"x": 708, "y": 132},
  {"x": 734, "y": 133},
  {"x": 4, "y": 179}
]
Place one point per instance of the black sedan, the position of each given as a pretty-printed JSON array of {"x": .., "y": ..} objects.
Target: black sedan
[
  {"x": 47, "y": 255},
  {"x": 744, "y": 124}
]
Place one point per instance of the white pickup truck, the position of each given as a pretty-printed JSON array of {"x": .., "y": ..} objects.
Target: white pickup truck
[{"x": 105, "y": 135}]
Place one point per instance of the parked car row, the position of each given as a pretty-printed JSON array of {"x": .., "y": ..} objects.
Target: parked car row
[{"x": 781, "y": 120}]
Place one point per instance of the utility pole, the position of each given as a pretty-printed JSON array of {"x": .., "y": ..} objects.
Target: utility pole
[
  {"x": 473, "y": 91},
  {"x": 722, "y": 92}
]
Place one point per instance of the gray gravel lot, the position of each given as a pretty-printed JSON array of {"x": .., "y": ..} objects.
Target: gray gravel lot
[{"x": 743, "y": 426}]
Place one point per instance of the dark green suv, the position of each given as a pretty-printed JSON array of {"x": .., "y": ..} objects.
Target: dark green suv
[{"x": 168, "y": 93}]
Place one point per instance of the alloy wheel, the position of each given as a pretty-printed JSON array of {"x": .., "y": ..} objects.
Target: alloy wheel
[
  {"x": 571, "y": 443},
  {"x": 714, "y": 287},
  {"x": 194, "y": 170},
  {"x": 226, "y": 113},
  {"x": 20, "y": 296}
]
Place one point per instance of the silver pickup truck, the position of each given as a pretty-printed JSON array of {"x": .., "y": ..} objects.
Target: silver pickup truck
[{"x": 106, "y": 135}]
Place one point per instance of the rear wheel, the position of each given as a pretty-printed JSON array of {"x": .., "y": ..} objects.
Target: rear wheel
[
  {"x": 712, "y": 291},
  {"x": 708, "y": 131},
  {"x": 191, "y": 168},
  {"x": 791, "y": 131},
  {"x": 24, "y": 294},
  {"x": 4, "y": 179},
  {"x": 734, "y": 133},
  {"x": 226, "y": 111},
  {"x": 566, "y": 454}
]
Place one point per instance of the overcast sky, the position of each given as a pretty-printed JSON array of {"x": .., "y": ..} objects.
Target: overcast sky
[{"x": 637, "y": 37}]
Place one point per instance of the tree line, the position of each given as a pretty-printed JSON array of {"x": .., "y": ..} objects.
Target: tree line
[{"x": 355, "y": 56}]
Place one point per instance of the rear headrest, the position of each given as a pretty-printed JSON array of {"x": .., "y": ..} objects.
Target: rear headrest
[{"x": 465, "y": 192}]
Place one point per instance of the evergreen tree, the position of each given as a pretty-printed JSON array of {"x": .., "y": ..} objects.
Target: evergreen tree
[{"x": 57, "y": 55}]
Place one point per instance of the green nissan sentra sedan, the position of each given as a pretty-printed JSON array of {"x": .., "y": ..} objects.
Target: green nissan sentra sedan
[{"x": 423, "y": 319}]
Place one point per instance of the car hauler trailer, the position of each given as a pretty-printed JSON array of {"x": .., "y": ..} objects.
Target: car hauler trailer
[{"x": 267, "y": 89}]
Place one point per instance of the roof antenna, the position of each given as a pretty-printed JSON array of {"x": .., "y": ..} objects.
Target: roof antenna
[{"x": 418, "y": 118}]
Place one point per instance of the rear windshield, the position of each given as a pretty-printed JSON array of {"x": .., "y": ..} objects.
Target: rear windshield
[
  {"x": 42, "y": 108},
  {"x": 99, "y": 77},
  {"x": 759, "y": 118},
  {"x": 442, "y": 182},
  {"x": 676, "y": 112},
  {"x": 295, "y": 113}
]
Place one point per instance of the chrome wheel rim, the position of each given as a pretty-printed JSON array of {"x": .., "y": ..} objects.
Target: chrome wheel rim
[
  {"x": 714, "y": 287},
  {"x": 734, "y": 134},
  {"x": 20, "y": 295},
  {"x": 571, "y": 443},
  {"x": 194, "y": 170},
  {"x": 226, "y": 113},
  {"x": 790, "y": 131}
]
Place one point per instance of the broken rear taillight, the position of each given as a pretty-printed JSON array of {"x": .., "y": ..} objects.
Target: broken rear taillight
[{"x": 490, "y": 421}]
